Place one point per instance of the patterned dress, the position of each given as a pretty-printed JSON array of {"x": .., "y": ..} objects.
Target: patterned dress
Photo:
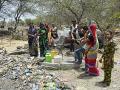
[
  {"x": 92, "y": 47},
  {"x": 90, "y": 60}
]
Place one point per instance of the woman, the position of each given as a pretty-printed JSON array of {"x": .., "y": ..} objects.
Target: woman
[
  {"x": 43, "y": 40},
  {"x": 91, "y": 52},
  {"x": 32, "y": 41},
  {"x": 79, "y": 52},
  {"x": 54, "y": 35},
  {"x": 72, "y": 33},
  {"x": 50, "y": 36}
]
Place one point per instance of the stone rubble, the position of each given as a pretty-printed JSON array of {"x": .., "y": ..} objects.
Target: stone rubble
[{"x": 26, "y": 74}]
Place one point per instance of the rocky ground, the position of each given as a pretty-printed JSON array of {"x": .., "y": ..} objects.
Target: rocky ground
[{"x": 22, "y": 72}]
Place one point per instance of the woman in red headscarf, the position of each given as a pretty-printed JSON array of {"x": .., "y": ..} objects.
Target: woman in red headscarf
[{"x": 91, "y": 51}]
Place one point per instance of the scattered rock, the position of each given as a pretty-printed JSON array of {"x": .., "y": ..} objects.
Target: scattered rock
[
  {"x": 81, "y": 88},
  {"x": 19, "y": 47},
  {"x": 3, "y": 51},
  {"x": 3, "y": 71},
  {"x": 24, "y": 70},
  {"x": 57, "y": 66},
  {"x": 19, "y": 52}
]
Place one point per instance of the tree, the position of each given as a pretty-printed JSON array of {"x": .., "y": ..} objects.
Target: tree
[
  {"x": 104, "y": 12},
  {"x": 21, "y": 22},
  {"x": 28, "y": 21},
  {"x": 37, "y": 20},
  {"x": 73, "y": 8},
  {"x": 3, "y": 9},
  {"x": 116, "y": 13},
  {"x": 23, "y": 7},
  {"x": 2, "y": 2}
]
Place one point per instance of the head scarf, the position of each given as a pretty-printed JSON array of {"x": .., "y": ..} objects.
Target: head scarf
[
  {"x": 42, "y": 26},
  {"x": 93, "y": 30}
]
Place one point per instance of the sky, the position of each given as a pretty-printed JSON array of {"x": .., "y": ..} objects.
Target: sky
[
  {"x": 41, "y": 11},
  {"x": 28, "y": 16}
]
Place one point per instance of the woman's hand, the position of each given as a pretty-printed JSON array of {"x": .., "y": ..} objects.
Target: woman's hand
[
  {"x": 86, "y": 52},
  {"x": 82, "y": 41},
  {"x": 31, "y": 35}
]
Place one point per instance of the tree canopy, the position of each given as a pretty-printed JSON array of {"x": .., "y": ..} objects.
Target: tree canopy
[{"x": 104, "y": 12}]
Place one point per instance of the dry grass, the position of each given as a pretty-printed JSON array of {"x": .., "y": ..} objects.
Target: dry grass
[{"x": 10, "y": 45}]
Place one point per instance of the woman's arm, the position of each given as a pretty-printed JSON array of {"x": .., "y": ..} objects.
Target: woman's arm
[{"x": 30, "y": 35}]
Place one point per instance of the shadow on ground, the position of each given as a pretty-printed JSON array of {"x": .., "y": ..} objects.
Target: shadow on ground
[{"x": 85, "y": 76}]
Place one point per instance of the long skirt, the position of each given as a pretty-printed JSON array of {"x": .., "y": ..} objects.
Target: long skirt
[
  {"x": 33, "y": 47},
  {"x": 90, "y": 63},
  {"x": 91, "y": 67},
  {"x": 43, "y": 45}
]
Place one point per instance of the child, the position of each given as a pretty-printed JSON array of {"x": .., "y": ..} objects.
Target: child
[{"x": 108, "y": 58}]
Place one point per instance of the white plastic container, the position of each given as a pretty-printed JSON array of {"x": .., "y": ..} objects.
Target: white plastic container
[{"x": 57, "y": 59}]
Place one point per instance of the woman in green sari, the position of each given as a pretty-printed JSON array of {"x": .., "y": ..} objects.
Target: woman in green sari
[{"x": 43, "y": 40}]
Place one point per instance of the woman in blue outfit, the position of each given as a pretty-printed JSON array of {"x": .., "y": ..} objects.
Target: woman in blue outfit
[
  {"x": 79, "y": 52},
  {"x": 32, "y": 41}
]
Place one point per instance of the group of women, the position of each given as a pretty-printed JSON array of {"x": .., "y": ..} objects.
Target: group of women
[
  {"x": 44, "y": 35},
  {"x": 87, "y": 50}
]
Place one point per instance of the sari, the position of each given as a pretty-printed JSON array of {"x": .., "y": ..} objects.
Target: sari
[
  {"x": 32, "y": 41},
  {"x": 91, "y": 56},
  {"x": 43, "y": 40}
]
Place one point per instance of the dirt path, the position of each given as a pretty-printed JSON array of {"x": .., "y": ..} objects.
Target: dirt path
[
  {"x": 90, "y": 83},
  {"x": 10, "y": 45}
]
